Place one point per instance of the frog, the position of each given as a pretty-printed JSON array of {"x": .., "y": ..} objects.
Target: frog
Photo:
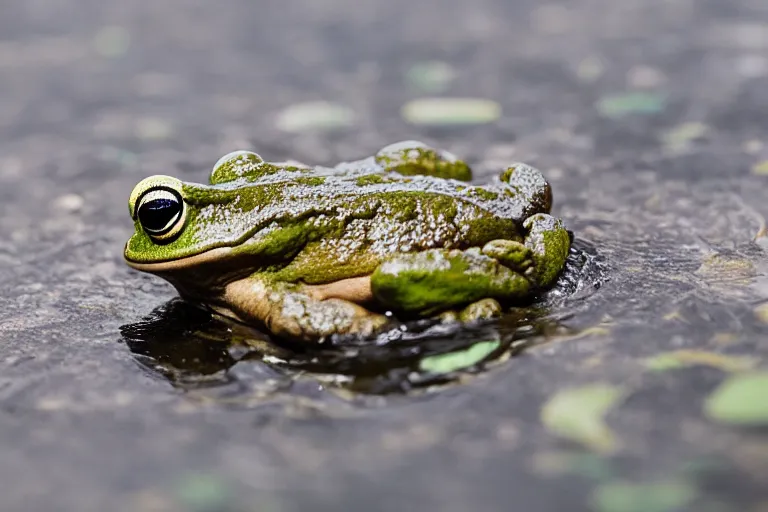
[{"x": 312, "y": 252}]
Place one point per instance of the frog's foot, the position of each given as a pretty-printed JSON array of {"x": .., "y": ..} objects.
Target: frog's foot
[
  {"x": 412, "y": 157},
  {"x": 530, "y": 184},
  {"x": 483, "y": 309},
  {"x": 295, "y": 312},
  {"x": 431, "y": 281},
  {"x": 549, "y": 243},
  {"x": 512, "y": 254}
]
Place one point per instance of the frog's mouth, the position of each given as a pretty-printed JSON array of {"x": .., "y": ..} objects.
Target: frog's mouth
[
  {"x": 199, "y": 276},
  {"x": 210, "y": 256}
]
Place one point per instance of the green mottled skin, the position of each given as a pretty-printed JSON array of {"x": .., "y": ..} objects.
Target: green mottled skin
[
  {"x": 406, "y": 218},
  {"x": 421, "y": 282},
  {"x": 415, "y": 158}
]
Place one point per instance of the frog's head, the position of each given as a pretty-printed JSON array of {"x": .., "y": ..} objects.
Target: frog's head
[{"x": 180, "y": 225}]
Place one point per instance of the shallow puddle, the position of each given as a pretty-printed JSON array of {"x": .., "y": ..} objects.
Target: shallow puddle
[{"x": 194, "y": 348}]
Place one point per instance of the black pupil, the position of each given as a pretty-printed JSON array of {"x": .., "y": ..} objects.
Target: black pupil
[{"x": 156, "y": 215}]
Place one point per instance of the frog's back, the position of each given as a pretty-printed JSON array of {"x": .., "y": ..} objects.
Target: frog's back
[
  {"x": 515, "y": 196},
  {"x": 358, "y": 220}
]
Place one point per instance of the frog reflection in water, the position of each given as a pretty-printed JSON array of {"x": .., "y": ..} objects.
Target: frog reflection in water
[{"x": 311, "y": 252}]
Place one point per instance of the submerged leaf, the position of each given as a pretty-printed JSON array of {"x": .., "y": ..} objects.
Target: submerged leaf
[
  {"x": 680, "y": 137},
  {"x": 631, "y": 103},
  {"x": 649, "y": 497},
  {"x": 760, "y": 168},
  {"x": 586, "y": 464},
  {"x": 589, "y": 69},
  {"x": 686, "y": 358},
  {"x": 740, "y": 400},
  {"x": 112, "y": 41},
  {"x": 578, "y": 414},
  {"x": 203, "y": 492},
  {"x": 452, "y": 361},
  {"x": 431, "y": 76}
]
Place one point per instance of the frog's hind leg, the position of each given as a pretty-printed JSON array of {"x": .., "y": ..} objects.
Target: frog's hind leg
[
  {"x": 543, "y": 253},
  {"x": 436, "y": 280},
  {"x": 412, "y": 157},
  {"x": 300, "y": 312}
]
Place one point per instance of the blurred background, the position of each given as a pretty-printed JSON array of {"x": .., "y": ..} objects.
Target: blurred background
[{"x": 650, "y": 119}]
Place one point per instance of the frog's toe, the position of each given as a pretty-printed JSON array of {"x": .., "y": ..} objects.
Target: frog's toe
[
  {"x": 484, "y": 309},
  {"x": 413, "y": 157},
  {"x": 529, "y": 183},
  {"x": 449, "y": 316},
  {"x": 510, "y": 253},
  {"x": 549, "y": 243}
]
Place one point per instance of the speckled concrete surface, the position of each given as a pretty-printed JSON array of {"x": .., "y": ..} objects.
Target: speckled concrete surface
[{"x": 650, "y": 117}]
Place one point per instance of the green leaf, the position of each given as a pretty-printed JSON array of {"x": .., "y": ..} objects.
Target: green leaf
[
  {"x": 203, "y": 492},
  {"x": 452, "y": 361},
  {"x": 760, "y": 168},
  {"x": 686, "y": 358},
  {"x": 112, "y": 41},
  {"x": 631, "y": 103},
  {"x": 629, "y": 497},
  {"x": 680, "y": 137},
  {"x": 740, "y": 400},
  {"x": 451, "y": 111},
  {"x": 314, "y": 116},
  {"x": 578, "y": 414},
  {"x": 431, "y": 76},
  {"x": 586, "y": 464}
]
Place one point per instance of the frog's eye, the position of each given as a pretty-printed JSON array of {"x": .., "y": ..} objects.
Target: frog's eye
[{"x": 161, "y": 212}]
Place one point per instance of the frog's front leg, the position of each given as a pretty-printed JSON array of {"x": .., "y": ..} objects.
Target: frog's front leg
[
  {"x": 550, "y": 244},
  {"x": 413, "y": 157},
  {"x": 294, "y": 311},
  {"x": 436, "y": 280},
  {"x": 541, "y": 256}
]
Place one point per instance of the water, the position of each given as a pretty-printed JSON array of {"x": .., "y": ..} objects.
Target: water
[{"x": 193, "y": 348}]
